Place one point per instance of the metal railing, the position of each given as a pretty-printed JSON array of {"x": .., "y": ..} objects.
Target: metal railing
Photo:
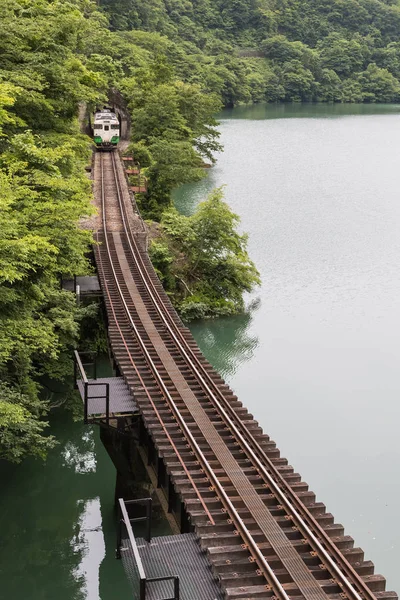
[
  {"x": 125, "y": 521},
  {"x": 79, "y": 369},
  {"x": 89, "y": 363}
]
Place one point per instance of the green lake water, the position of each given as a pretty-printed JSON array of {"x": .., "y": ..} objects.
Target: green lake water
[
  {"x": 315, "y": 358},
  {"x": 58, "y": 524}
]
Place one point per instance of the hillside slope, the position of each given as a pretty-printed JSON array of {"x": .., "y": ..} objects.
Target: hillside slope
[{"x": 278, "y": 50}]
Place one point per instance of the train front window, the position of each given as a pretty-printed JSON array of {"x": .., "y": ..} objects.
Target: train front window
[
  {"x": 106, "y": 128},
  {"x": 114, "y": 126},
  {"x": 97, "y": 126}
]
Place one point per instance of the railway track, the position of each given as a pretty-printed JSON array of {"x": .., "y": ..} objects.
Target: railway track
[{"x": 265, "y": 534}]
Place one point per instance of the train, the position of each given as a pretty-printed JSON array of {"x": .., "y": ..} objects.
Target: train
[{"x": 106, "y": 129}]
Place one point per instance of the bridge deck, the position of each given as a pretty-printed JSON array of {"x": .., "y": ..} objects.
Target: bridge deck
[
  {"x": 178, "y": 555},
  {"x": 121, "y": 399}
]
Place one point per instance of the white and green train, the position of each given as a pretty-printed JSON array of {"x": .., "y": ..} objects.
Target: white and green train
[{"x": 106, "y": 129}]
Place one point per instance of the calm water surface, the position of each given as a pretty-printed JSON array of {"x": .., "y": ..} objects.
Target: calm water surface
[
  {"x": 316, "y": 359},
  {"x": 58, "y": 524}
]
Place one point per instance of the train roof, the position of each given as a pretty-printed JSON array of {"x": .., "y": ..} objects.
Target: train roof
[{"x": 106, "y": 114}]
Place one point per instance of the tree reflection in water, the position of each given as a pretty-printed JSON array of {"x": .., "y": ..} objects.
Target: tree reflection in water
[
  {"x": 82, "y": 458},
  {"x": 52, "y": 520},
  {"x": 227, "y": 342}
]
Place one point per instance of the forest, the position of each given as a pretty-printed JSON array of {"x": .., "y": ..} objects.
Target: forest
[
  {"x": 277, "y": 50},
  {"x": 176, "y": 63}
]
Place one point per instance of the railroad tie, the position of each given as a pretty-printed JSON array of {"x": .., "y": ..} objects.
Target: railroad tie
[{"x": 290, "y": 558}]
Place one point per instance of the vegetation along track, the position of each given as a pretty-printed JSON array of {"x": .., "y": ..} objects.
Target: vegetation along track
[{"x": 265, "y": 534}]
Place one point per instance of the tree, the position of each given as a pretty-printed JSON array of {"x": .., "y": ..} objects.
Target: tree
[
  {"x": 174, "y": 163},
  {"x": 342, "y": 55},
  {"x": 329, "y": 86},
  {"x": 378, "y": 85},
  {"x": 207, "y": 43},
  {"x": 278, "y": 48},
  {"x": 389, "y": 58},
  {"x": 173, "y": 129},
  {"x": 21, "y": 430},
  {"x": 297, "y": 81},
  {"x": 216, "y": 269},
  {"x": 44, "y": 192}
]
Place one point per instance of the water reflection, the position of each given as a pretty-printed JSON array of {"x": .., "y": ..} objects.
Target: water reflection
[
  {"x": 301, "y": 111},
  {"x": 227, "y": 342},
  {"x": 88, "y": 542},
  {"x": 57, "y": 521},
  {"x": 188, "y": 196},
  {"x": 82, "y": 459},
  {"x": 37, "y": 518}
]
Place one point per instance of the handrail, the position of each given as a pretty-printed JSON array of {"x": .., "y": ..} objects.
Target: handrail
[
  {"x": 148, "y": 502},
  {"x": 175, "y": 578},
  {"x": 90, "y": 384},
  {"x": 93, "y": 355},
  {"x": 131, "y": 537},
  {"x": 143, "y": 580},
  {"x": 80, "y": 366}
]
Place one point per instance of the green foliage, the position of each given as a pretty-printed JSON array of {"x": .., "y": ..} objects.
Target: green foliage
[
  {"x": 162, "y": 261},
  {"x": 44, "y": 192},
  {"x": 344, "y": 56},
  {"x": 202, "y": 260},
  {"x": 39, "y": 43},
  {"x": 141, "y": 153},
  {"x": 376, "y": 82},
  {"x": 176, "y": 63},
  {"x": 92, "y": 334},
  {"x": 310, "y": 50},
  {"x": 21, "y": 430},
  {"x": 175, "y": 163},
  {"x": 173, "y": 128}
]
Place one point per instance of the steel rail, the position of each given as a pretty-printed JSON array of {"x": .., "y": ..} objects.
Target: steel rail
[
  {"x": 304, "y": 527},
  {"x": 132, "y": 361},
  {"x": 225, "y": 500}
]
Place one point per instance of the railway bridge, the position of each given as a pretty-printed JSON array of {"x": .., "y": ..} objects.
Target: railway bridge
[{"x": 252, "y": 526}]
